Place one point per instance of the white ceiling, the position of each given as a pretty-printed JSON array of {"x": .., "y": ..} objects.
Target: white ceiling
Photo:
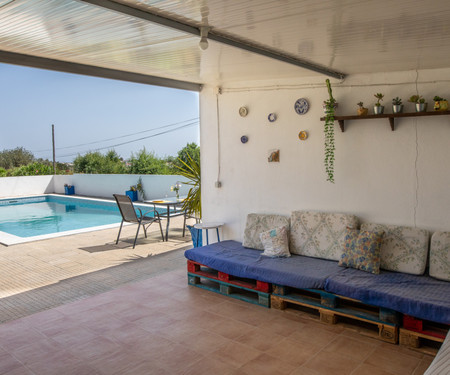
[{"x": 348, "y": 36}]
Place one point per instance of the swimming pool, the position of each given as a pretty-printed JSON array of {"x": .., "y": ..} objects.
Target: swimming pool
[{"x": 34, "y": 218}]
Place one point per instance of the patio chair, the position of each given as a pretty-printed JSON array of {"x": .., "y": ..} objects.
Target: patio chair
[{"x": 129, "y": 215}]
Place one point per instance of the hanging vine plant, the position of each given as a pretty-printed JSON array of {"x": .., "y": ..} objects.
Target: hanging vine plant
[{"x": 330, "y": 106}]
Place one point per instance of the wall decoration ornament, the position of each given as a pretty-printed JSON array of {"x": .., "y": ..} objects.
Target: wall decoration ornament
[
  {"x": 301, "y": 106},
  {"x": 272, "y": 117},
  {"x": 274, "y": 156},
  {"x": 244, "y": 139},
  {"x": 243, "y": 111},
  {"x": 303, "y": 135}
]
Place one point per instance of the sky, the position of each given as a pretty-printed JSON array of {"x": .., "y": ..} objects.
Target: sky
[{"x": 92, "y": 113}]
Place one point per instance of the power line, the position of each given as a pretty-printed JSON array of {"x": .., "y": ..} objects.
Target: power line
[
  {"x": 136, "y": 140},
  {"x": 122, "y": 136}
]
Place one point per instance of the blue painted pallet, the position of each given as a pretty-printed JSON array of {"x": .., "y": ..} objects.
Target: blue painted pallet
[
  {"x": 231, "y": 290},
  {"x": 330, "y": 306}
]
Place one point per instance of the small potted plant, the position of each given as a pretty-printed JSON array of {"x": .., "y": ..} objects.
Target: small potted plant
[
  {"x": 176, "y": 189},
  {"x": 361, "y": 110},
  {"x": 69, "y": 189},
  {"x": 419, "y": 102},
  {"x": 132, "y": 193},
  {"x": 440, "y": 104},
  {"x": 378, "y": 109},
  {"x": 397, "y": 105}
]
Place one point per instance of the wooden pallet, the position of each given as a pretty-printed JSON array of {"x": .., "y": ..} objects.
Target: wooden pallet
[
  {"x": 231, "y": 290},
  {"x": 420, "y": 333},
  {"x": 331, "y": 307},
  {"x": 202, "y": 270}
]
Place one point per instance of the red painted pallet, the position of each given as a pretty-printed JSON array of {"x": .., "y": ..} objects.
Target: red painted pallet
[
  {"x": 202, "y": 270},
  {"x": 416, "y": 332}
]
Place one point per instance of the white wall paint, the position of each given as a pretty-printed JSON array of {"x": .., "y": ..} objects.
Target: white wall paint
[
  {"x": 376, "y": 171},
  {"x": 95, "y": 185}
]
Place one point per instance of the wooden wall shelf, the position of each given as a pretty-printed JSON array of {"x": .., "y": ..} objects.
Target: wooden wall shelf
[{"x": 390, "y": 117}]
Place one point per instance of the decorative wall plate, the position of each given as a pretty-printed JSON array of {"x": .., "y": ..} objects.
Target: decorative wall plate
[
  {"x": 301, "y": 106},
  {"x": 244, "y": 139},
  {"x": 243, "y": 111},
  {"x": 272, "y": 117},
  {"x": 303, "y": 135}
]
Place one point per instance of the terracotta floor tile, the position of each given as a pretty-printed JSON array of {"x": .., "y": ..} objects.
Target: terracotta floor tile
[
  {"x": 73, "y": 335},
  {"x": 350, "y": 347},
  {"x": 231, "y": 328},
  {"x": 177, "y": 357},
  {"x": 423, "y": 365},
  {"x": 281, "y": 326},
  {"x": 8, "y": 363},
  {"x": 332, "y": 363},
  {"x": 366, "y": 369},
  {"x": 94, "y": 347},
  {"x": 260, "y": 339},
  {"x": 204, "y": 342},
  {"x": 393, "y": 361},
  {"x": 266, "y": 364},
  {"x": 19, "y": 371},
  {"x": 313, "y": 334},
  {"x": 294, "y": 352},
  {"x": 235, "y": 354},
  {"x": 209, "y": 366}
]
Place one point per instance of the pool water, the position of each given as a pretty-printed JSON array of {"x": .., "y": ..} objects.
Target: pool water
[{"x": 37, "y": 216}]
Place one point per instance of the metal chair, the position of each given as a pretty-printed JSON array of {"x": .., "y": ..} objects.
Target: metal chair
[{"x": 129, "y": 215}]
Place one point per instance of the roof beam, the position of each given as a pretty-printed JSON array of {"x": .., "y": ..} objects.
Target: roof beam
[
  {"x": 94, "y": 71},
  {"x": 212, "y": 35}
]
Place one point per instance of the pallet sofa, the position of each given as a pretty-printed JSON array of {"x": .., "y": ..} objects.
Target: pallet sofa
[{"x": 405, "y": 304}]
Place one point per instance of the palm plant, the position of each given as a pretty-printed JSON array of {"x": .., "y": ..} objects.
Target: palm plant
[{"x": 193, "y": 202}]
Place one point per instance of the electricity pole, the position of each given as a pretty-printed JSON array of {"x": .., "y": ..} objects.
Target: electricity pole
[{"x": 53, "y": 143}]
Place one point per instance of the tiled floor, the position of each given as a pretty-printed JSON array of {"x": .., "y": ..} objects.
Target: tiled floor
[{"x": 163, "y": 326}]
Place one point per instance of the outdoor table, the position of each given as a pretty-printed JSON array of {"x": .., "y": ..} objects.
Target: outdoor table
[
  {"x": 172, "y": 206},
  {"x": 207, "y": 226}
]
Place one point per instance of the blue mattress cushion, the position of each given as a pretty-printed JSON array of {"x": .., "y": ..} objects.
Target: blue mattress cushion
[
  {"x": 296, "y": 271},
  {"x": 419, "y": 296}
]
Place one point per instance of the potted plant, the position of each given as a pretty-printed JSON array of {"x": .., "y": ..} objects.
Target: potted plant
[
  {"x": 69, "y": 189},
  {"x": 330, "y": 106},
  {"x": 361, "y": 110},
  {"x": 397, "y": 105},
  {"x": 419, "y": 102},
  {"x": 176, "y": 189},
  {"x": 440, "y": 104},
  {"x": 378, "y": 109},
  {"x": 132, "y": 193}
]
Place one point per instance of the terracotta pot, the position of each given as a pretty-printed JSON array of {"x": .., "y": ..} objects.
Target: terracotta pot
[{"x": 362, "y": 111}]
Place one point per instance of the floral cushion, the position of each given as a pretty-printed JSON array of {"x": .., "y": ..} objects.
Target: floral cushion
[
  {"x": 362, "y": 250},
  {"x": 404, "y": 249},
  {"x": 276, "y": 242},
  {"x": 319, "y": 234},
  {"x": 259, "y": 223},
  {"x": 440, "y": 256}
]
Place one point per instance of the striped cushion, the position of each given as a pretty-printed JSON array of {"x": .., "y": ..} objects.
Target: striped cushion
[{"x": 441, "y": 363}]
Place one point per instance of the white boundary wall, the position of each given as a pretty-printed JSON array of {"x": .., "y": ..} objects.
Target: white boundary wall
[{"x": 93, "y": 185}]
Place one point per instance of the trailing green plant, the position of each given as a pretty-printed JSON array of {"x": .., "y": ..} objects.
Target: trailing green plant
[
  {"x": 416, "y": 99},
  {"x": 379, "y": 97},
  {"x": 397, "y": 101},
  {"x": 190, "y": 169},
  {"x": 329, "y": 133}
]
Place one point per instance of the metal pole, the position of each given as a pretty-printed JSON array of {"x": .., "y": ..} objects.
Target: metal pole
[{"x": 53, "y": 143}]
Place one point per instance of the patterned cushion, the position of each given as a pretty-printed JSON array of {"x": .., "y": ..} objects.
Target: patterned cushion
[
  {"x": 276, "y": 242},
  {"x": 440, "y": 256},
  {"x": 258, "y": 223},
  {"x": 404, "y": 249},
  {"x": 362, "y": 250},
  {"x": 319, "y": 234}
]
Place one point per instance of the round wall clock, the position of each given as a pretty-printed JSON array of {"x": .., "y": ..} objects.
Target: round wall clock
[
  {"x": 243, "y": 111},
  {"x": 301, "y": 106}
]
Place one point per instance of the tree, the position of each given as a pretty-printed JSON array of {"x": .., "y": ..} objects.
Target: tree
[
  {"x": 147, "y": 163},
  {"x": 15, "y": 158},
  {"x": 32, "y": 169},
  {"x": 190, "y": 149},
  {"x": 95, "y": 162}
]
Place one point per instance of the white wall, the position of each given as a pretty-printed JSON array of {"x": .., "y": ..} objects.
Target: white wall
[
  {"x": 95, "y": 185},
  {"x": 400, "y": 177},
  {"x": 26, "y": 185}
]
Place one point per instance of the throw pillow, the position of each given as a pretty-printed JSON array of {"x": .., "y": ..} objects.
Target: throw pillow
[
  {"x": 275, "y": 242},
  {"x": 362, "y": 250}
]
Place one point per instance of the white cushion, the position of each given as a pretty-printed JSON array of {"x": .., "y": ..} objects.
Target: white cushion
[
  {"x": 440, "y": 256},
  {"x": 404, "y": 249},
  {"x": 320, "y": 234},
  {"x": 276, "y": 242},
  {"x": 259, "y": 223}
]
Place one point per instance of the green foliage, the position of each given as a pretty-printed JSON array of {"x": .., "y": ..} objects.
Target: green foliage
[
  {"x": 15, "y": 158},
  {"x": 329, "y": 134},
  {"x": 147, "y": 163},
  {"x": 32, "y": 169},
  {"x": 438, "y": 99},
  {"x": 3, "y": 172},
  {"x": 360, "y": 105},
  {"x": 416, "y": 99},
  {"x": 190, "y": 149},
  {"x": 193, "y": 202},
  {"x": 379, "y": 97},
  {"x": 95, "y": 162},
  {"x": 397, "y": 101}
]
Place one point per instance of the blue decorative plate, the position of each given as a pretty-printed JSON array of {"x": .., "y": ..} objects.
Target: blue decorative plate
[
  {"x": 301, "y": 106},
  {"x": 244, "y": 139},
  {"x": 272, "y": 117}
]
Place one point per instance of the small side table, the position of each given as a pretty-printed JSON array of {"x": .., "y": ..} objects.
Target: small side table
[{"x": 207, "y": 226}]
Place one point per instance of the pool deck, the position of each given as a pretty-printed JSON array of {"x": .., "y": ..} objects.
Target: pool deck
[{"x": 44, "y": 274}]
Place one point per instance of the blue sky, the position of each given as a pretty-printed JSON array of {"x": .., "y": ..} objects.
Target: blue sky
[{"x": 88, "y": 109}]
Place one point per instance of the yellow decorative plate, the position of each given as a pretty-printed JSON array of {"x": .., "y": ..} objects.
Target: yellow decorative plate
[
  {"x": 303, "y": 135},
  {"x": 158, "y": 201}
]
